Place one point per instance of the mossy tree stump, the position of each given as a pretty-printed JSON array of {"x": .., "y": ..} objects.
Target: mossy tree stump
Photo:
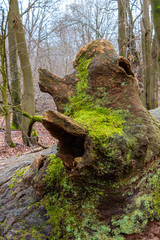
[{"x": 108, "y": 142}]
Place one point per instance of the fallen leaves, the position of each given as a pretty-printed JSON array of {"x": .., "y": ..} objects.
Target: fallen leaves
[{"x": 5, "y": 151}]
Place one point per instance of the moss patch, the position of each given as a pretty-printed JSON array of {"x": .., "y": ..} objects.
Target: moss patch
[
  {"x": 17, "y": 178},
  {"x": 81, "y": 98},
  {"x": 72, "y": 207},
  {"x": 54, "y": 171},
  {"x": 101, "y": 123}
]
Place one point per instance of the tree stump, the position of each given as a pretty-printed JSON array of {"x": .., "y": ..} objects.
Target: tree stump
[{"x": 109, "y": 144}]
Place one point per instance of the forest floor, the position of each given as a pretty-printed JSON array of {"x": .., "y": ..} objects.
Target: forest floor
[{"x": 45, "y": 139}]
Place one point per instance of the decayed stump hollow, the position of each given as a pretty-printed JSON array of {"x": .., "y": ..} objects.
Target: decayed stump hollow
[
  {"x": 111, "y": 80},
  {"x": 110, "y": 139}
]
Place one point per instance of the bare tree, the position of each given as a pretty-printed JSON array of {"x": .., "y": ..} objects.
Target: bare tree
[
  {"x": 147, "y": 54},
  {"x": 28, "y": 103},
  {"x": 4, "y": 85},
  {"x": 15, "y": 78},
  {"x": 122, "y": 39}
]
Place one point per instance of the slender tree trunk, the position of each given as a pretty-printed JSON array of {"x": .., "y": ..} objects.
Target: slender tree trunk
[
  {"x": 15, "y": 79},
  {"x": 156, "y": 17},
  {"x": 122, "y": 42},
  {"x": 155, "y": 74},
  {"x": 28, "y": 89},
  {"x": 132, "y": 50},
  {"x": 143, "y": 96},
  {"x": 147, "y": 54},
  {"x": 4, "y": 86}
]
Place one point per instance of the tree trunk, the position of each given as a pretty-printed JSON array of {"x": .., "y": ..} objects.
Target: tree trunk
[
  {"x": 132, "y": 49},
  {"x": 109, "y": 146},
  {"x": 4, "y": 85},
  {"x": 15, "y": 78},
  {"x": 154, "y": 73},
  {"x": 156, "y": 17},
  {"x": 28, "y": 103},
  {"x": 147, "y": 65},
  {"x": 122, "y": 41}
]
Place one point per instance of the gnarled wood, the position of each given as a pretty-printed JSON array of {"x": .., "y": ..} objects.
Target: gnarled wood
[
  {"x": 119, "y": 169},
  {"x": 58, "y": 88}
]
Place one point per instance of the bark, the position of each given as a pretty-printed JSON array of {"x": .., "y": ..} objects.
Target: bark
[
  {"x": 156, "y": 17},
  {"x": 155, "y": 74},
  {"x": 114, "y": 171},
  {"x": 143, "y": 96},
  {"x": 60, "y": 89},
  {"x": 15, "y": 78},
  {"x": 97, "y": 185},
  {"x": 132, "y": 49},
  {"x": 4, "y": 85},
  {"x": 149, "y": 91},
  {"x": 122, "y": 41},
  {"x": 28, "y": 104}
]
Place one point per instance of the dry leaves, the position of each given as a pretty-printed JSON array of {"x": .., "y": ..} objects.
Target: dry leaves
[{"x": 5, "y": 151}]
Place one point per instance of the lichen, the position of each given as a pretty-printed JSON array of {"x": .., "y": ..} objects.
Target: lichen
[
  {"x": 71, "y": 207},
  {"x": 17, "y": 177}
]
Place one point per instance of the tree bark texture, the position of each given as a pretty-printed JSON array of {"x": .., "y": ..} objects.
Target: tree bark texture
[
  {"x": 149, "y": 91},
  {"x": 15, "y": 78},
  {"x": 156, "y": 17},
  {"x": 122, "y": 39},
  {"x": 28, "y": 103},
  {"x": 109, "y": 144},
  {"x": 4, "y": 85}
]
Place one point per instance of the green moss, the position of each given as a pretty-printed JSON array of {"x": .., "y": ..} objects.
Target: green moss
[
  {"x": 101, "y": 123},
  {"x": 34, "y": 134},
  {"x": 12, "y": 144},
  {"x": 81, "y": 98},
  {"x": 129, "y": 224},
  {"x": 14, "y": 127},
  {"x": 17, "y": 178},
  {"x": 54, "y": 171},
  {"x": 146, "y": 206},
  {"x": 72, "y": 213},
  {"x": 71, "y": 207}
]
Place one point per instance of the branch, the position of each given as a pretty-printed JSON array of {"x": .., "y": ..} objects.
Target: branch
[
  {"x": 29, "y": 7},
  {"x": 32, "y": 121}
]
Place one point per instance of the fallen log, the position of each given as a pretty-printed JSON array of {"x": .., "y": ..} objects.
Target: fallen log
[
  {"x": 103, "y": 181},
  {"x": 113, "y": 157}
]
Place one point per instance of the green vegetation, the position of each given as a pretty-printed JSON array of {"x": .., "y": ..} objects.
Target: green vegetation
[
  {"x": 81, "y": 99},
  {"x": 17, "y": 178},
  {"x": 101, "y": 123},
  {"x": 71, "y": 207},
  {"x": 12, "y": 144},
  {"x": 34, "y": 134},
  {"x": 14, "y": 127},
  {"x": 54, "y": 171}
]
